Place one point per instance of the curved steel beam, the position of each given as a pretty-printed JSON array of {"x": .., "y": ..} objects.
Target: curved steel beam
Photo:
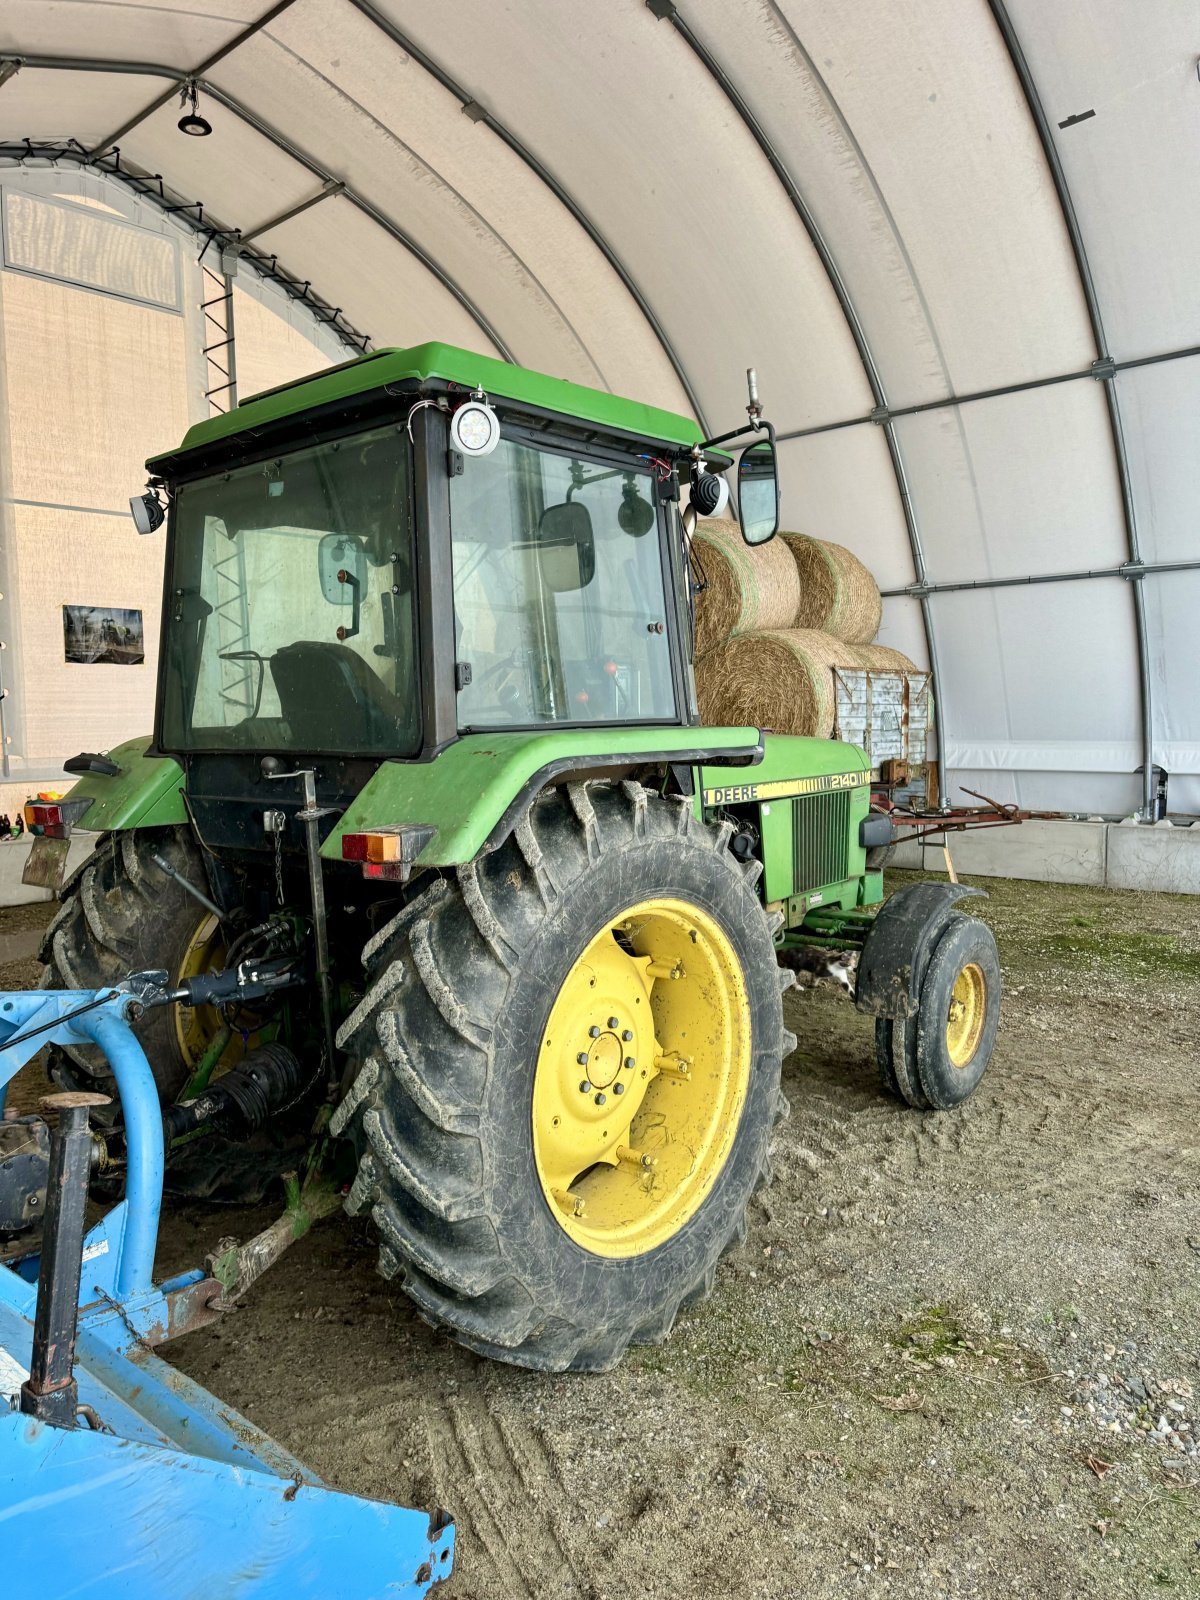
[
  {"x": 290, "y": 149},
  {"x": 1079, "y": 250},
  {"x": 666, "y": 10},
  {"x": 479, "y": 113},
  {"x": 194, "y": 215}
]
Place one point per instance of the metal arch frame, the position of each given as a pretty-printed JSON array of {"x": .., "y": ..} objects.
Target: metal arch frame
[
  {"x": 1130, "y": 570},
  {"x": 191, "y": 214},
  {"x": 293, "y": 151},
  {"x": 666, "y": 10},
  {"x": 479, "y": 113},
  {"x": 1029, "y": 89},
  {"x": 1098, "y": 370},
  {"x": 227, "y": 49}
]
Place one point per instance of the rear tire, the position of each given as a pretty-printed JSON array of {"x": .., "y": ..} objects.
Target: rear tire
[
  {"x": 122, "y": 913},
  {"x": 448, "y": 1108}
]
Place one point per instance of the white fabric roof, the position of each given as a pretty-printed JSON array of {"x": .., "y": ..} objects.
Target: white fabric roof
[{"x": 880, "y": 205}]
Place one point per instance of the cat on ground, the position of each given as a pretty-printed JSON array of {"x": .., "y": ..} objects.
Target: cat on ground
[{"x": 813, "y": 966}]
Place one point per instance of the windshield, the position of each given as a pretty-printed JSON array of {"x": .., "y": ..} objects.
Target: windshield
[
  {"x": 559, "y": 599},
  {"x": 291, "y": 618}
]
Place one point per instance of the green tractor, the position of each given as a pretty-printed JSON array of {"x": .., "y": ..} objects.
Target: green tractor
[{"x": 459, "y": 891}]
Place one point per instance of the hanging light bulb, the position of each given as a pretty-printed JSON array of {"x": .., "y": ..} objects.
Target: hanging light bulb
[{"x": 192, "y": 122}]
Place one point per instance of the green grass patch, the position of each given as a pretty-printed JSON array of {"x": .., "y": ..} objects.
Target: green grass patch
[{"x": 1140, "y": 954}]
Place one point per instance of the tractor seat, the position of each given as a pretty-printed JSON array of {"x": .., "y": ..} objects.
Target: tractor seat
[{"x": 332, "y": 700}]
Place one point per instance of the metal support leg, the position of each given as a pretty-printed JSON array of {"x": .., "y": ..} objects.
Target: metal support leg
[{"x": 50, "y": 1393}]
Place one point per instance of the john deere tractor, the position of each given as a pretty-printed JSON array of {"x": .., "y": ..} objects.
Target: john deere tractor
[{"x": 440, "y": 875}]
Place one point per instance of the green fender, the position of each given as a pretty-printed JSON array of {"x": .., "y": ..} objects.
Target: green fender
[
  {"x": 475, "y": 789},
  {"x": 144, "y": 794}
]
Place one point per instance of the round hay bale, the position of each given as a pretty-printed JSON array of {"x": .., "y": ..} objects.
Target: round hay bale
[
  {"x": 882, "y": 658},
  {"x": 749, "y": 586},
  {"x": 780, "y": 679},
  {"x": 837, "y": 593}
]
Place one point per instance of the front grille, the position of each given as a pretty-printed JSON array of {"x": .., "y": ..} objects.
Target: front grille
[{"x": 820, "y": 839}]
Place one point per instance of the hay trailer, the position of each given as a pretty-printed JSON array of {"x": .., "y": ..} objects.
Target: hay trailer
[{"x": 461, "y": 909}]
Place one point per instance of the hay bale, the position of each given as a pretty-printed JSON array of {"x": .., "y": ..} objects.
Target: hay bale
[
  {"x": 749, "y": 586},
  {"x": 837, "y": 593},
  {"x": 882, "y": 658},
  {"x": 780, "y": 679}
]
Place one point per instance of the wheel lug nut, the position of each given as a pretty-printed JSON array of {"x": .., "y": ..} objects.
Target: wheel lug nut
[
  {"x": 613, "y": 1021},
  {"x": 582, "y": 1058},
  {"x": 618, "y": 1088},
  {"x": 627, "y": 1035},
  {"x": 593, "y": 1032},
  {"x": 585, "y": 1087},
  {"x": 601, "y": 1099},
  {"x": 630, "y": 1063}
]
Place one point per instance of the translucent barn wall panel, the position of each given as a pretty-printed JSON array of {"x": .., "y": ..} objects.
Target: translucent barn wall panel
[
  {"x": 92, "y": 385},
  {"x": 1161, "y": 410},
  {"x": 1093, "y": 794},
  {"x": 841, "y": 486},
  {"x": 177, "y": 31},
  {"x": 237, "y": 175},
  {"x": 362, "y": 116},
  {"x": 1173, "y": 607},
  {"x": 62, "y": 558},
  {"x": 905, "y": 129},
  {"x": 43, "y": 104},
  {"x": 95, "y": 385},
  {"x": 616, "y": 104},
  {"x": 492, "y": 183},
  {"x": 1039, "y": 680},
  {"x": 382, "y": 288},
  {"x": 1124, "y": 80},
  {"x": 1019, "y": 485},
  {"x": 275, "y": 341}
]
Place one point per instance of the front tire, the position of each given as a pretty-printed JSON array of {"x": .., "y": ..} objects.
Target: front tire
[
  {"x": 542, "y": 1199},
  {"x": 935, "y": 1059}
]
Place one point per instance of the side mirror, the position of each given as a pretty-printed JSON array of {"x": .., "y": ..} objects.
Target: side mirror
[
  {"x": 147, "y": 512},
  {"x": 342, "y": 564},
  {"x": 566, "y": 547},
  {"x": 758, "y": 492}
]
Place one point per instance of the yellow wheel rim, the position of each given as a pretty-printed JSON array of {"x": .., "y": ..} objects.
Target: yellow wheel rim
[
  {"x": 641, "y": 1077},
  {"x": 968, "y": 1009},
  {"x": 197, "y": 1026}
]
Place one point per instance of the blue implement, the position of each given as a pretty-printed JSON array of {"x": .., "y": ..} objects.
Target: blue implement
[{"x": 167, "y": 1493}]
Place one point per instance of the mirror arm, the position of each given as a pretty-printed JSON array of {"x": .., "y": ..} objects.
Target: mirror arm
[
  {"x": 351, "y": 581},
  {"x": 761, "y": 426}
]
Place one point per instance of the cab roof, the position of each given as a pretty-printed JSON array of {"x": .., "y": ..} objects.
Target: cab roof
[{"x": 441, "y": 364}]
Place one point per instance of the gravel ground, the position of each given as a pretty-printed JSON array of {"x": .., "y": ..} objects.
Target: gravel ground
[{"x": 959, "y": 1355}]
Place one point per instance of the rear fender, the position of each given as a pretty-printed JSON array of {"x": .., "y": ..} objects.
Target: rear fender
[
  {"x": 475, "y": 791},
  {"x": 143, "y": 793}
]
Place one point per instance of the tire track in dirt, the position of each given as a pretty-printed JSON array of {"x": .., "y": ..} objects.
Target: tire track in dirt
[{"x": 499, "y": 1471}]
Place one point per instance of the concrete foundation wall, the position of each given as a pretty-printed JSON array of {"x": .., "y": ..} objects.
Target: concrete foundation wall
[
  {"x": 1119, "y": 855},
  {"x": 13, "y": 856}
]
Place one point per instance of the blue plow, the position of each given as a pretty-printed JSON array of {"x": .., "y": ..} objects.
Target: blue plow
[{"x": 118, "y": 1474}]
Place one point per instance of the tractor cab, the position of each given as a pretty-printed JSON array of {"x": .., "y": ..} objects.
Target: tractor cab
[{"x": 371, "y": 564}]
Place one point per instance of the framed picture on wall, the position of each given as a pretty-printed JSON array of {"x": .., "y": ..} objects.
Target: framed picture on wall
[{"x": 103, "y": 636}]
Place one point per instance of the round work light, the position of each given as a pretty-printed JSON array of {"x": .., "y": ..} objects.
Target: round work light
[{"x": 475, "y": 428}]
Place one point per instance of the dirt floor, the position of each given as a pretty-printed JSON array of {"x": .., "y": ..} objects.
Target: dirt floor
[{"x": 959, "y": 1356}]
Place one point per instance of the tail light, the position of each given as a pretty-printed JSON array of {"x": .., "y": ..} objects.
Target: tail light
[{"x": 387, "y": 853}]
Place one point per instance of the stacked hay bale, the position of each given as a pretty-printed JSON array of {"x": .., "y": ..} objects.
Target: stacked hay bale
[
  {"x": 748, "y": 587},
  {"x": 774, "y": 624},
  {"x": 838, "y": 595}
]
